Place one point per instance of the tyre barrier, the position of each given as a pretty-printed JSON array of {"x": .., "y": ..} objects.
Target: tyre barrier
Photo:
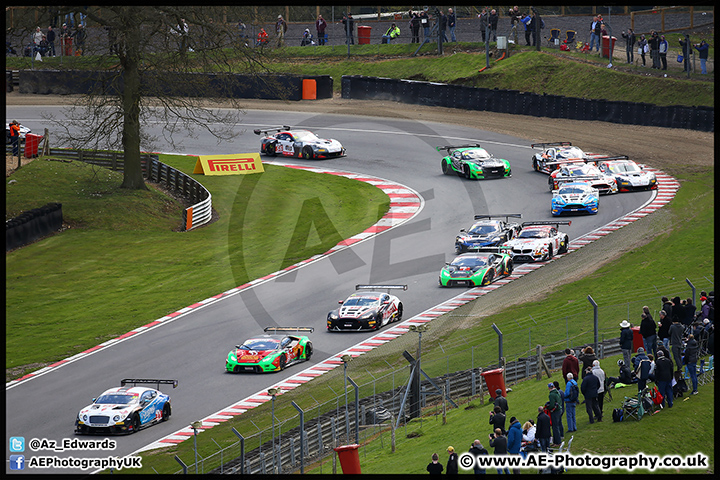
[
  {"x": 268, "y": 87},
  {"x": 32, "y": 225},
  {"x": 359, "y": 87}
]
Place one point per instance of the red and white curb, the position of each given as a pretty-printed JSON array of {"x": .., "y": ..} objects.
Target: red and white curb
[{"x": 667, "y": 187}]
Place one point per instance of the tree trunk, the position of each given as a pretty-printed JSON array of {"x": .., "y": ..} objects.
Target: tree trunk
[{"x": 133, "y": 176}]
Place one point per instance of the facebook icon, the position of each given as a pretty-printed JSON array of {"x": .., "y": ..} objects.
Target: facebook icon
[{"x": 17, "y": 462}]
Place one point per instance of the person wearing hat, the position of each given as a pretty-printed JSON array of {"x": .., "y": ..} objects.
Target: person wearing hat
[
  {"x": 15, "y": 137},
  {"x": 452, "y": 463},
  {"x": 642, "y": 368},
  {"x": 663, "y": 377},
  {"x": 555, "y": 407},
  {"x": 626, "y": 341},
  {"x": 307, "y": 38},
  {"x": 500, "y": 401},
  {"x": 280, "y": 29}
]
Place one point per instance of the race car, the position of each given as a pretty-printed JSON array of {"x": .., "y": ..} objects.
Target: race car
[
  {"x": 554, "y": 154},
  {"x": 23, "y": 131},
  {"x": 297, "y": 143},
  {"x": 270, "y": 353},
  {"x": 628, "y": 175},
  {"x": 473, "y": 162},
  {"x": 538, "y": 241},
  {"x": 477, "y": 268},
  {"x": 367, "y": 310},
  {"x": 575, "y": 197},
  {"x": 487, "y": 232},
  {"x": 126, "y": 409},
  {"x": 585, "y": 172}
]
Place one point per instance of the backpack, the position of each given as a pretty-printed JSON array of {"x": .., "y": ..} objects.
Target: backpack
[
  {"x": 574, "y": 393},
  {"x": 657, "y": 397},
  {"x": 617, "y": 415}
]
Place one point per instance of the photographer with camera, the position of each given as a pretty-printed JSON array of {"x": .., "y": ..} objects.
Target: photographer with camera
[{"x": 702, "y": 49}]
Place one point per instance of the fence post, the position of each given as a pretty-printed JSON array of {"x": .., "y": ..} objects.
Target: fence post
[
  {"x": 242, "y": 450},
  {"x": 595, "y": 320}
]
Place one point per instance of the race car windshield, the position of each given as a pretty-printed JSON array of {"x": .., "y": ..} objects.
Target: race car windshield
[
  {"x": 533, "y": 233},
  {"x": 475, "y": 155},
  {"x": 360, "y": 301},
  {"x": 572, "y": 152},
  {"x": 574, "y": 171},
  {"x": 624, "y": 168},
  {"x": 305, "y": 136},
  {"x": 471, "y": 262},
  {"x": 260, "y": 344},
  {"x": 116, "y": 399},
  {"x": 484, "y": 229},
  {"x": 571, "y": 190}
]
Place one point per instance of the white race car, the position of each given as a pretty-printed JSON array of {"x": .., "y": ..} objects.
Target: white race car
[
  {"x": 538, "y": 241},
  {"x": 583, "y": 172},
  {"x": 628, "y": 175},
  {"x": 369, "y": 310},
  {"x": 126, "y": 409},
  {"x": 297, "y": 143},
  {"x": 555, "y": 154}
]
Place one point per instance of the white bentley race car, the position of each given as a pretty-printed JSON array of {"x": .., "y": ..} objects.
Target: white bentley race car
[{"x": 538, "y": 241}]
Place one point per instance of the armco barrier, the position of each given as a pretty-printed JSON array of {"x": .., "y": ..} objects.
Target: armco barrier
[
  {"x": 515, "y": 102},
  {"x": 32, "y": 225}
]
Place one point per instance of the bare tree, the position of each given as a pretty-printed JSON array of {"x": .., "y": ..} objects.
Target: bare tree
[{"x": 159, "y": 53}]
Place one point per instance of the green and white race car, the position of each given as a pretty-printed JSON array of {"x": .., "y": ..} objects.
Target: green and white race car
[
  {"x": 477, "y": 268},
  {"x": 473, "y": 162},
  {"x": 270, "y": 353}
]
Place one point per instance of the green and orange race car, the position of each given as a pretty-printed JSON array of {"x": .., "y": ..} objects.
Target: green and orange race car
[
  {"x": 478, "y": 268},
  {"x": 271, "y": 353}
]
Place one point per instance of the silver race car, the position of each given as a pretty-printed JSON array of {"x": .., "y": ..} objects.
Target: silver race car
[{"x": 298, "y": 143}]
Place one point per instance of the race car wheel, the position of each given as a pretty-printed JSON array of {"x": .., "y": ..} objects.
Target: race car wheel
[
  {"x": 508, "y": 268},
  {"x": 307, "y": 153},
  {"x": 283, "y": 361},
  {"x": 564, "y": 245},
  {"x": 308, "y": 350},
  {"x": 535, "y": 164},
  {"x": 446, "y": 168},
  {"x": 135, "y": 422},
  {"x": 459, "y": 249},
  {"x": 550, "y": 253},
  {"x": 551, "y": 183},
  {"x": 270, "y": 149},
  {"x": 399, "y": 315},
  {"x": 166, "y": 412},
  {"x": 466, "y": 172},
  {"x": 488, "y": 278}
]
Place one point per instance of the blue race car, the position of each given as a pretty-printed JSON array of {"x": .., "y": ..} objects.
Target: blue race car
[
  {"x": 487, "y": 232},
  {"x": 575, "y": 197}
]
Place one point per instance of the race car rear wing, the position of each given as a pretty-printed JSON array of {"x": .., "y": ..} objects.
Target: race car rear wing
[
  {"x": 579, "y": 178},
  {"x": 551, "y": 144},
  {"x": 526, "y": 224},
  {"x": 496, "y": 249},
  {"x": 506, "y": 216},
  {"x": 571, "y": 160},
  {"x": 455, "y": 147},
  {"x": 381, "y": 287},
  {"x": 289, "y": 329},
  {"x": 607, "y": 159},
  {"x": 266, "y": 131},
  {"x": 135, "y": 381}
]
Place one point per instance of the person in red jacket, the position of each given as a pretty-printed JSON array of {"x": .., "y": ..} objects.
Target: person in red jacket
[{"x": 570, "y": 365}]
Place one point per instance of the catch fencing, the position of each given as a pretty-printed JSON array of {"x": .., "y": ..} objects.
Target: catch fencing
[{"x": 377, "y": 387}]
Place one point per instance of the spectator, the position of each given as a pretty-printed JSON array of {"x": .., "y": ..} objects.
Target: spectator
[
  {"x": 280, "y": 29},
  {"x": 642, "y": 368},
  {"x": 65, "y": 40},
  {"x": 629, "y": 45},
  {"x": 667, "y": 306},
  {"x": 514, "y": 439},
  {"x": 414, "y": 26},
  {"x": 425, "y": 24},
  {"x": 15, "y": 137},
  {"x": 676, "y": 342},
  {"x": 515, "y": 16},
  {"x": 600, "y": 374},
  {"x": 442, "y": 26},
  {"x": 434, "y": 467},
  {"x": 642, "y": 47},
  {"x": 535, "y": 27},
  {"x": 392, "y": 32},
  {"x": 452, "y": 463},
  {"x": 663, "y": 378},
  {"x": 686, "y": 50},
  {"x": 37, "y": 37},
  {"x": 570, "y": 365},
  {"x": 320, "y": 26},
  {"x": 555, "y": 408},
  {"x": 80, "y": 36},
  {"x": 626, "y": 376},
  {"x": 451, "y": 23},
  {"x": 691, "y": 356},
  {"x": 689, "y": 311},
  {"x": 51, "y": 40},
  {"x": 543, "y": 430},
  {"x": 493, "y": 22},
  {"x": 528, "y": 432},
  {"x": 476, "y": 449},
  {"x": 262, "y": 38},
  {"x": 626, "y": 341},
  {"x": 562, "y": 405},
  {"x": 704, "y": 308},
  {"x": 497, "y": 419},
  {"x": 654, "y": 44},
  {"x": 663, "y": 52},
  {"x": 587, "y": 357},
  {"x": 483, "y": 23},
  {"x": 589, "y": 389},
  {"x": 242, "y": 32},
  {"x": 500, "y": 401},
  {"x": 648, "y": 330},
  {"x": 595, "y": 33},
  {"x": 527, "y": 24},
  {"x": 499, "y": 443},
  {"x": 307, "y": 38},
  {"x": 571, "y": 398},
  {"x": 664, "y": 328},
  {"x": 349, "y": 28}
]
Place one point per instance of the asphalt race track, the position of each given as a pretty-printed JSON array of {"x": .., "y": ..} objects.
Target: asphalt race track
[{"x": 192, "y": 348}]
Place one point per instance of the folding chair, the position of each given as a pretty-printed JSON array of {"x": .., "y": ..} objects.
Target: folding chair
[
  {"x": 556, "y": 450},
  {"x": 570, "y": 36},
  {"x": 633, "y": 406},
  {"x": 705, "y": 375},
  {"x": 554, "y": 36},
  {"x": 567, "y": 450}
]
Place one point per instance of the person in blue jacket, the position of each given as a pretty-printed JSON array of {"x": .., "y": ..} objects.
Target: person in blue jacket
[
  {"x": 514, "y": 439},
  {"x": 702, "y": 49}
]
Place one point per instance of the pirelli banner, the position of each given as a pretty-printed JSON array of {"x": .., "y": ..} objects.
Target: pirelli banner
[{"x": 233, "y": 164}]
